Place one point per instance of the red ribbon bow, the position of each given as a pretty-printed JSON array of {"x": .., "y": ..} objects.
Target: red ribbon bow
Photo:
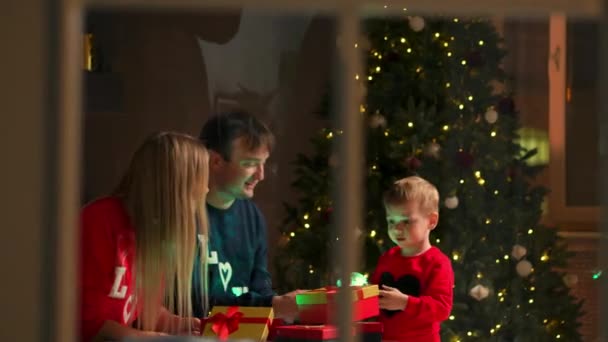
[{"x": 225, "y": 324}]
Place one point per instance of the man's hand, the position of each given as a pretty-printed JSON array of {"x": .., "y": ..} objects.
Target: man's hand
[
  {"x": 285, "y": 306},
  {"x": 392, "y": 299}
]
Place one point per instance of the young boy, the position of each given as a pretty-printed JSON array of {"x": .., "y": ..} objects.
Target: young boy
[{"x": 416, "y": 279}]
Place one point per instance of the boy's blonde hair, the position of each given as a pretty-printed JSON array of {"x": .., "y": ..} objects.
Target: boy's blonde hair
[
  {"x": 413, "y": 188},
  {"x": 164, "y": 191}
]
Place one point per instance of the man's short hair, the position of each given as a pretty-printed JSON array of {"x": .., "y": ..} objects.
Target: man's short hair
[{"x": 221, "y": 130}]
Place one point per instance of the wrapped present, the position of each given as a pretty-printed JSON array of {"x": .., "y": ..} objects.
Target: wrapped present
[
  {"x": 238, "y": 322},
  {"x": 319, "y": 306},
  {"x": 370, "y": 332},
  {"x": 306, "y": 333},
  {"x": 277, "y": 322}
]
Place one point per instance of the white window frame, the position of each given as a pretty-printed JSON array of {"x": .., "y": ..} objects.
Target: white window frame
[{"x": 576, "y": 217}]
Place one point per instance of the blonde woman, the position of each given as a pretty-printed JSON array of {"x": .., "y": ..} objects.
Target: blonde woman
[{"x": 138, "y": 246}]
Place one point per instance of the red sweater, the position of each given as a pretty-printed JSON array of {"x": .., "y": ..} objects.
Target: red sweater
[
  {"x": 428, "y": 280},
  {"x": 107, "y": 255}
]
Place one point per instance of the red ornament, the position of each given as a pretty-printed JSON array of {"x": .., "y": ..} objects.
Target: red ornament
[
  {"x": 413, "y": 163},
  {"x": 514, "y": 172},
  {"x": 475, "y": 59},
  {"x": 392, "y": 57},
  {"x": 326, "y": 215},
  {"x": 464, "y": 159}
]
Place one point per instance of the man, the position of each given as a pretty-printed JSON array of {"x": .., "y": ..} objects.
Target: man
[{"x": 239, "y": 145}]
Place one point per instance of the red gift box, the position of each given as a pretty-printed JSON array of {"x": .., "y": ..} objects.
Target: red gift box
[
  {"x": 319, "y": 306},
  {"x": 276, "y": 323},
  {"x": 306, "y": 332},
  {"x": 371, "y": 331}
]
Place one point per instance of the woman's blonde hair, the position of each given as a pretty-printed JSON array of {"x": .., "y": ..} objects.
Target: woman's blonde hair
[
  {"x": 413, "y": 188},
  {"x": 164, "y": 191}
]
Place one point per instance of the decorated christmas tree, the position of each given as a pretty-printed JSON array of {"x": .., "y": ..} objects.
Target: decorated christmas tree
[{"x": 437, "y": 105}]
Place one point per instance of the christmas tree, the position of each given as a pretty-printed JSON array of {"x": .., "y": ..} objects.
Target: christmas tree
[{"x": 437, "y": 105}]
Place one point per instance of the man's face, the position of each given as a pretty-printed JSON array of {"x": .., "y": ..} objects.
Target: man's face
[{"x": 236, "y": 178}]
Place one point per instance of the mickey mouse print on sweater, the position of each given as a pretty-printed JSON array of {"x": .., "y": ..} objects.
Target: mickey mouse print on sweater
[{"x": 407, "y": 284}]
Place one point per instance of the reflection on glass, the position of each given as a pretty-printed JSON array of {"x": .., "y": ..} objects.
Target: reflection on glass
[{"x": 438, "y": 100}]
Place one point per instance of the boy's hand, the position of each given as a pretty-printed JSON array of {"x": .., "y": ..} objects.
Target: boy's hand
[{"x": 392, "y": 299}]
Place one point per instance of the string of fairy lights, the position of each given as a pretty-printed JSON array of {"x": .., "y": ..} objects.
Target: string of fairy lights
[{"x": 519, "y": 255}]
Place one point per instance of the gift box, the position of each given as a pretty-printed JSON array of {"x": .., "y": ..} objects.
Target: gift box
[
  {"x": 306, "y": 333},
  {"x": 319, "y": 306},
  {"x": 370, "y": 332},
  {"x": 277, "y": 322},
  {"x": 238, "y": 322}
]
